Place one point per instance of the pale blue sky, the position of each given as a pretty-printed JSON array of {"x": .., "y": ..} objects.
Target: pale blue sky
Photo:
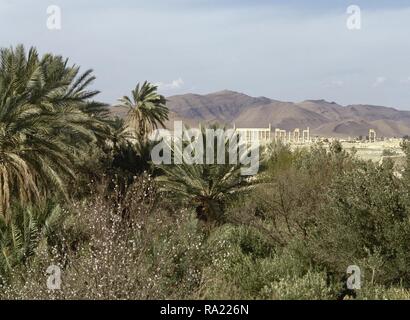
[{"x": 287, "y": 50}]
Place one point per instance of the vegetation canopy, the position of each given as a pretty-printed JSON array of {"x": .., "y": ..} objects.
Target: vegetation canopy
[
  {"x": 79, "y": 192},
  {"x": 46, "y": 119}
]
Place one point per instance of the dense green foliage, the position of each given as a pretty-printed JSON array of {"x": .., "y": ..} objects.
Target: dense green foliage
[
  {"x": 78, "y": 190},
  {"x": 207, "y": 187},
  {"x": 46, "y": 118}
]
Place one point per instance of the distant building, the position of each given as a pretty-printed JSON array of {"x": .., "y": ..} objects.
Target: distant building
[
  {"x": 372, "y": 135},
  {"x": 263, "y": 135}
]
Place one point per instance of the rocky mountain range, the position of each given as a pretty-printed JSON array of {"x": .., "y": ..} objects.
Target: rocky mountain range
[{"x": 327, "y": 119}]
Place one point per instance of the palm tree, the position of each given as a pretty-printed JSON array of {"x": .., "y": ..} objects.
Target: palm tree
[
  {"x": 127, "y": 159},
  {"x": 20, "y": 236},
  {"x": 146, "y": 109},
  {"x": 45, "y": 120},
  {"x": 120, "y": 134},
  {"x": 208, "y": 187}
]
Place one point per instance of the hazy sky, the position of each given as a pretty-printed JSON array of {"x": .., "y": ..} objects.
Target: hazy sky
[{"x": 287, "y": 50}]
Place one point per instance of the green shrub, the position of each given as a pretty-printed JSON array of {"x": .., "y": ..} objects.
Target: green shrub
[
  {"x": 365, "y": 214},
  {"x": 311, "y": 286},
  {"x": 383, "y": 293}
]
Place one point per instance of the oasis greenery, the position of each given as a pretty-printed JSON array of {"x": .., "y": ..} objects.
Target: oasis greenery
[{"x": 78, "y": 190}]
